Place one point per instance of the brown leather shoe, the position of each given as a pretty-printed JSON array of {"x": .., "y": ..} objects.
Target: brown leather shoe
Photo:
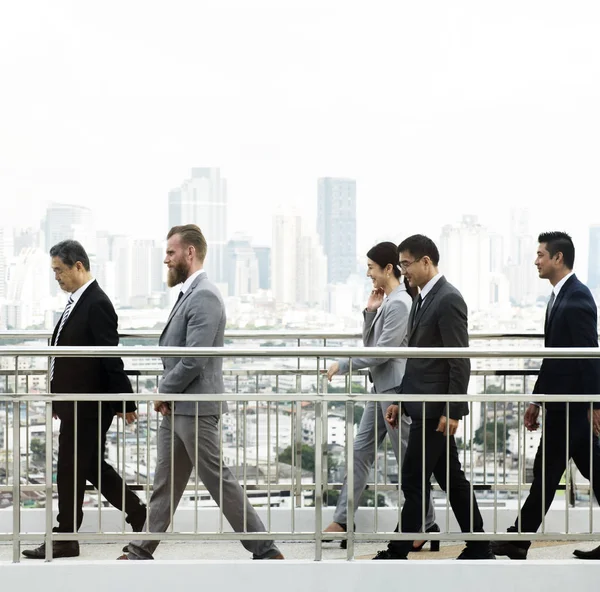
[
  {"x": 123, "y": 558},
  {"x": 59, "y": 549},
  {"x": 279, "y": 556}
]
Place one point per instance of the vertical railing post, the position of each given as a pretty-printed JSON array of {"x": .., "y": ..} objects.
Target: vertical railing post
[{"x": 16, "y": 447}]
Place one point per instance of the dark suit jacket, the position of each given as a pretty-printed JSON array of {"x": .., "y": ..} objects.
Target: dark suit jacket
[
  {"x": 441, "y": 322},
  {"x": 92, "y": 321},
  {"x": 573, "y": 322}
]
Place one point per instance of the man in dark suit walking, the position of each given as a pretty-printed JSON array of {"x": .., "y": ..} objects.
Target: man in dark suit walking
[
  {"x": 89, "y": 319},
  {"x": 438, "y": 318},
  {"x": 571, "y": 321}
]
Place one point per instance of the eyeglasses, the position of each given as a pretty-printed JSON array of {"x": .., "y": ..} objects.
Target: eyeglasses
[{"x": 404, "y": 265}]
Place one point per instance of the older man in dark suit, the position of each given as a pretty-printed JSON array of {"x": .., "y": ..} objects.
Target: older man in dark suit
[
  {"x": 88, "y": 319},
  {"x": 571, "y": 321},
  {"x": 438, "y": 318}
]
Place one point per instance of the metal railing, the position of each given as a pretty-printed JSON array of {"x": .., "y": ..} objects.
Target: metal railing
[{"x": 317, "y": 404}]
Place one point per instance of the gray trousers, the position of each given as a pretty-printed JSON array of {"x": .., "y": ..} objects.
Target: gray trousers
[
  {"x": 367, "y": 441},
  {"x": 184, "y": 454}
]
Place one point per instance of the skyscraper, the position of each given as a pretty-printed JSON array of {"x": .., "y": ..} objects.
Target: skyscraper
[
  {"x": 241, "y": 265},
  {"x": 263, "y": 256},
  {"x": 521, "y": 273},
  {"x": 202, "y": 200},
  {"x": 465, "y": 259},
  {"x": 299, "y": 264},
  {"x": 6, "y": 254},
  {"x": 336, "y": 226},
  {"x": 65, "y": 221},
  {"x": 594, "y": 261}
]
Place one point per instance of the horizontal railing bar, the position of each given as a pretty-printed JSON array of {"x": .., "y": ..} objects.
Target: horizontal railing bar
[
  {"x": 303, "y": 397},
  {"x": 275, "y": 372},
  {"x": 265, "y": 334},
  {"x": 300, "y": 352},
  {"x": 304, "y": 536}
]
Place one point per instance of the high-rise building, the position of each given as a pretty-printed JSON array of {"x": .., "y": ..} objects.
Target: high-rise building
[
  {"x": 241, "y": 265},
  {"x": 202, "y": 200},
  {"x": 336, "y": 226},
  {"x": 523, "y": 286},
  {"x": 312, "y": 271},
  {"x": 465, "y": 260},
  {"x": 6, "y": 254},
  {"x": 65, "y": 221},
  {"x": 594, "y": 261},
  {"x": 286, "y": 238},
  {"x": 27, "y": 299},
  {"x": 263, "y": 256},
  {"x": 299, "y": 264}
]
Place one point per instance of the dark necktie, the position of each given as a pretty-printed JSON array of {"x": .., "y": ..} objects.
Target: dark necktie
[
  {"x": 63, "y": 320},
  {"x": 419, "y": 302},
  {"x": 549, "y": 307}
]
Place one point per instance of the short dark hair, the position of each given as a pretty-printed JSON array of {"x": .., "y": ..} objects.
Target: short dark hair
[
  {"x": 419, "y": 245},
  {"x": 191, "y": 235},
  {"x": 559, "y": 242},
  {"x": 69, "y": 252}
]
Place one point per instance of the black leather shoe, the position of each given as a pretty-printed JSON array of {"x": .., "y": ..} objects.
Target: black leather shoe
[
  {"x": 593, "y": 554},
  {"x": 59, "y": 549},
  {"x": 387, "y": 554},
  {"x": 434, "y": 546},
  {"x": 483, "y": 553},
  {"x": 509, "y": 549},
  {"x": 344, "y": 529},
  {"x": 138, "y": 520}
]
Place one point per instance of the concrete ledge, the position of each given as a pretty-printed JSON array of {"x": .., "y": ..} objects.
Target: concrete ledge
[{"x": 296, "y": 576}]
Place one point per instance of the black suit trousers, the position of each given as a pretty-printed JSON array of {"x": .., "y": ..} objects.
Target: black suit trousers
[
  {"x": 555, "y": 457},
  {"x": 90, "y": 452},
  {"x": 434, "y": 461}
]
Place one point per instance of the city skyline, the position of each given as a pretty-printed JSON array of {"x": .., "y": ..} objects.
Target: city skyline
[{"x": 431, "y": 121}]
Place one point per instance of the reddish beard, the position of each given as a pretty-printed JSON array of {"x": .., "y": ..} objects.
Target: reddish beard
[{"x": 177, "y": 275}]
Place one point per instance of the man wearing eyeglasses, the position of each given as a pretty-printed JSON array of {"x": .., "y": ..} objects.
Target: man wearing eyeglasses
[{"x": 438, "y": 318}]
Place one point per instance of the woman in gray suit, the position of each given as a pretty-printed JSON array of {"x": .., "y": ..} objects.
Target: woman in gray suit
[{"x": 385, "y": 325}]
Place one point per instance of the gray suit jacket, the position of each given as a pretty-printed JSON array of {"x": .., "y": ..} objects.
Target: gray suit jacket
[
  {"x": 387, "y": 327},
  {"x": 441, "y": 322},
  {"x": 197, "y": 320}
]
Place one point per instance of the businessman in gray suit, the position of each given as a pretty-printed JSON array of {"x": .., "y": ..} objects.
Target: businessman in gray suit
[
  {"x": 197, "y": 320},
  {"x": 438, "y": 318},
  {"x": 385, "y": 325}
]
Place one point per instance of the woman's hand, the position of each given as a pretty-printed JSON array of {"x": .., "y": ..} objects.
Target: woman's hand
[
  {"x": 375, "y": 299},
  {"x": 332, "y": 370}
]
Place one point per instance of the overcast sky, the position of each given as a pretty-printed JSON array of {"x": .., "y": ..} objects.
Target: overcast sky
[{"x": 437, "y": 108}]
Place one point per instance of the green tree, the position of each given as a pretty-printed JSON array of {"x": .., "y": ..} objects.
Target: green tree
[
  {"x": 489, "y": 435},
  {"x": 38, "y": 450},
  {"x": 308, "y": 457}
]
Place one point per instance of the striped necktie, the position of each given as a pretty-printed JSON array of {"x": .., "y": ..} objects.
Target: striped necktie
[{"x": 63, "y": 320}]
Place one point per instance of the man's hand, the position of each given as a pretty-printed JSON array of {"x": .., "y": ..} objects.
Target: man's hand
[
  {"x": 596, "y": 421},
  {"x": 130, "y": 416},
  {"x": 452, "y": 425},
  {"x": 391, "y": 415},
  {"x": 375, "y": 299},
  {"x": 531, "y": 417},
  {"x": 332, "y": 370},
  {"x": 162, "y": 407}
]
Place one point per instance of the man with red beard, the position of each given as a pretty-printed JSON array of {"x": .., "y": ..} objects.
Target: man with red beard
[{"x": 192, "y": 427}]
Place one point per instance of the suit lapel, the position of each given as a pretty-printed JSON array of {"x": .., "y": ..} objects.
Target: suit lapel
[
  {"x": 560, "y": 299},
  {"x": 183, "y": 299},
  {"x": 417, "y": 317},
  {"x": 89, "y": 290}
]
